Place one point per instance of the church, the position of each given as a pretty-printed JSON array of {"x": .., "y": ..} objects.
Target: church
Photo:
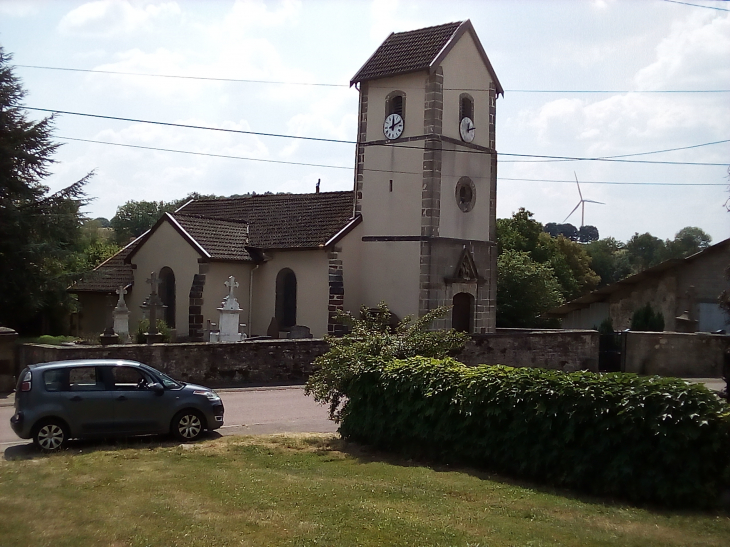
[{"x": 417, "y": 231}]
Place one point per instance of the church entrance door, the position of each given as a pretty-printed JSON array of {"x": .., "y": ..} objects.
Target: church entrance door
[{"x": 462, "y": 312}]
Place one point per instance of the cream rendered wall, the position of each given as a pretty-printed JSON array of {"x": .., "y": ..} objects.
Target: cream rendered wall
[
  {"x": 397, "y": 212},
  {"x": 390, "y": 271},
  {"x": 215, "y": 290},
  {"x": 311, "y": 269},
  {"x": 453, "y": 221},
  {"x": 165, "y": 247},
  {"x": 349, "y": 249},
  {"x": 413, "y": 85},
  {"x": 464, "y": 72}
]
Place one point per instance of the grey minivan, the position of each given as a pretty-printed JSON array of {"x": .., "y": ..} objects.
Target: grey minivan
[{"x": 105, "y": 397}]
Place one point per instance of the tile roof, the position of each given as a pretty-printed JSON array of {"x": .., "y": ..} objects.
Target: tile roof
[
  {"x": 279, "y": 221},
  {"x": 108, "y": 276},
  {"x": 220, "y": 239},
  {"x": 422, "y": 49},
  {"x": 404, "y": 52}
]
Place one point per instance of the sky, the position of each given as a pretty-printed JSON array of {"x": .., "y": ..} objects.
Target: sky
[{"x": 665, "y": 65}]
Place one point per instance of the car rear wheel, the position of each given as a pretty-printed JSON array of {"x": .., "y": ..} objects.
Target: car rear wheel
[
  {"x": 51, "y": 435},
  {"x": 187, "y": 425}
]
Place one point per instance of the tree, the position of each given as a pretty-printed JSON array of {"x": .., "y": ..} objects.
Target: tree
[
  {"x": 609, "y": 259},
  {"x": 646, "y": 319},
  {"x": 525, "y": 290},
  {"x": 136, "y": 217},
  {"x": 38, "y": 231},
  {"x": 586, "y": 234},
  {"x": 565, "y": 230},
  {"x": 687, "y": 241},
  {"x": 645, "y": 251}
]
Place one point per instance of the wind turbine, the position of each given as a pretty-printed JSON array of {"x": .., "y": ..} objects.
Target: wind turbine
[{"x": 581, "y": 204}]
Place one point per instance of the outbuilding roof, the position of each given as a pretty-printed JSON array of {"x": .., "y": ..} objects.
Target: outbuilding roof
[
  {"x": 603, "y": 294},
  {"x": 416, "y": 50}
]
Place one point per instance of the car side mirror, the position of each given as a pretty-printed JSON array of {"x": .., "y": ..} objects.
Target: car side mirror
[{"x": 157, "y": 388}]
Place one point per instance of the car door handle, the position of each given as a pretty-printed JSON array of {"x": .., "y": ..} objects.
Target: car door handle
[
  {"x": 76, "y": 398},
  {"x": 121, "y": 398}
]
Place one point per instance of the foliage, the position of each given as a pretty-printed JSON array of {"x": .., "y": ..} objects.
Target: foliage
[
  {"x": 144, "y": 327},
  {"x": 686, "y": 242},
  {"x": 39, "y": 232},
  {"x": 525, "y": 290},
  {"x": 609, "y": 259},
  {"x": 646, "y": 319},
  {"x": 606, "y": 326},
  {"x": 53, "y": 340},
  {"x": 550, "y": 259},
  {"x": 584, "y": 234},
  {"x": 372, "y": 337},
  {"x": 648, "y": 439},
  {"x": 136, "y": 217}
]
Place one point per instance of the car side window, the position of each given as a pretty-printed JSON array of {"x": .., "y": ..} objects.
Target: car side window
[
  {"x": 85, "y": 379},
  {"x": 55, "y": 380},
  {"x": 128, "y": 378}
]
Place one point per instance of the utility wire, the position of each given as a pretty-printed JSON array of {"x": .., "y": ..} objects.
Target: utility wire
[
  {"x": 277, "y": 82},
  {"x": 696, "y": 5},
  {"x": 394, "y": 145},
  {"x": 158, "y": 149}
]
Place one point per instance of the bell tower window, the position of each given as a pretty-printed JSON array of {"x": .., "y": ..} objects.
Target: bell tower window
[
  {"x": 466, "y": 107},
  {"x": 395, "y": 103}
]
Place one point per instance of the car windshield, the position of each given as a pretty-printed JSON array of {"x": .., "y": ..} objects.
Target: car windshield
[{"x": 168, "y": 382}]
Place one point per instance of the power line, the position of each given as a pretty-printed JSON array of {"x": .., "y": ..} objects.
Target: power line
[
  {"x": 225, "y": 156},
  {"x": 318, "y": 84},
  {"x": 187, "y": 126},
  {"x": 696, "y": 5},
  {"x": 320, "y": 139},
  {"x": 571, "y": 181}
]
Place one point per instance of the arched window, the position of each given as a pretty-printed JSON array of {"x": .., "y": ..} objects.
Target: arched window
[
  {"x": 286, "y": 299},
  {"x": 466, "y": 107},
  {"x": 466, "y": 194},
  {"x": 462, "y": 312},
  {"x": 395, "y": 103},
  {"x": 167, "y": 294}
]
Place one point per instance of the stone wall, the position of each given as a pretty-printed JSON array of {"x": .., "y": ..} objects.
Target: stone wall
[
  {"x": 556, "y": 350},
  {"x": 258, "y": 362},
  {"x": 697, "y": 355}
]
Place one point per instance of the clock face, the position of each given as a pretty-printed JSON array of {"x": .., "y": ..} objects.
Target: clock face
[
  {"x": 393, "y": 126},
  {"x": 467, "y": 129}
]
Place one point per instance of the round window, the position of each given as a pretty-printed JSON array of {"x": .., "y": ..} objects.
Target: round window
[{"x": 466, "y": 194}]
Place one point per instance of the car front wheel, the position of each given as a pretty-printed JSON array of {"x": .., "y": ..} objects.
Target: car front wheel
[
  {"x": 187, "y": 425},
  {"x": 51, "y": 436}
]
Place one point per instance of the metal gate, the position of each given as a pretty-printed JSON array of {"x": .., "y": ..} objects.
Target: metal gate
[{"x": 610, "y": 352}]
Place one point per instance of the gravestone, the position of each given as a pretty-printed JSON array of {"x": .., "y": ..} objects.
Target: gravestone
[
  {"x": 153, "y": 304},
  {"x": 121, "y": 316},
  {"x": 229, "y": 315},
  {"x": 299, "y": 332}
]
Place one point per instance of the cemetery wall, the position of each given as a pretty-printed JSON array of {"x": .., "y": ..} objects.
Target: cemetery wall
[
  {"x": 279, "y": 362},
  {"x": 696, "y": 355}
]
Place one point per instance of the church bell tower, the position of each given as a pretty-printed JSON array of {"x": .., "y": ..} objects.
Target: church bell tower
[{"x": 426, "y": 176}]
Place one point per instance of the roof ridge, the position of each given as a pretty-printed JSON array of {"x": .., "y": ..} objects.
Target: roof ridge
[{"x": 205, "y": 217}]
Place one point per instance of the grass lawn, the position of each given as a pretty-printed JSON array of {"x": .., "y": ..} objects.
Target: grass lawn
[{"x": 304, "y": 490}]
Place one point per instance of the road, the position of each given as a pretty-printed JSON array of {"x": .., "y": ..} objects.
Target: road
[{"x": 249, "y": 411}]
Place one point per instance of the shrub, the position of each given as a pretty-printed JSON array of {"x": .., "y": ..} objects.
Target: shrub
[
  {"x": 144, "y": 327},
  {"x": 646, "y": 319},
  {"x": 648, "y": 439},
  {"x": 371, "y": 338}
]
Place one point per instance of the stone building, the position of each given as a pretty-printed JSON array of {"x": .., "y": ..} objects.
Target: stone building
[
  {"x": 417, "y": 231},
  {"x": 685, "y": 291}
]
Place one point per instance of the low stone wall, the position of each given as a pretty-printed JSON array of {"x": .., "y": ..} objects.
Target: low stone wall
[
  {"x": 697, "y": 355},
  {"x": 258, "y": 362},
  {"x": 567, "y": 350}
]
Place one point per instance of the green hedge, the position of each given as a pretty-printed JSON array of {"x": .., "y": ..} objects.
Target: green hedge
[{"x": 648, "y": 439}]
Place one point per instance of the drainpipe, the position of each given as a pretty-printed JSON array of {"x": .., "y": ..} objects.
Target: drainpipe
[{"x": 250, "y": 298}]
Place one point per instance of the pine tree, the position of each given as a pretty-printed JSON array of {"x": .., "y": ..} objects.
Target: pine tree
[{"x": 38, "y": 231}]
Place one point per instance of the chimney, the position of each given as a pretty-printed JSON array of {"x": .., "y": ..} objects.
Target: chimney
[{"x": 317, "y": 191}]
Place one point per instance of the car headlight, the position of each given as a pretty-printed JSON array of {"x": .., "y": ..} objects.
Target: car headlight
[{"x": 211, "y": 395}]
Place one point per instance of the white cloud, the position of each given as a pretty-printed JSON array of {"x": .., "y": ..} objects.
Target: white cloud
[
  {"x": 108, "y": 18},
  {"x": 695, "y": 53},
  {"x": 19, "y": 8}
]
